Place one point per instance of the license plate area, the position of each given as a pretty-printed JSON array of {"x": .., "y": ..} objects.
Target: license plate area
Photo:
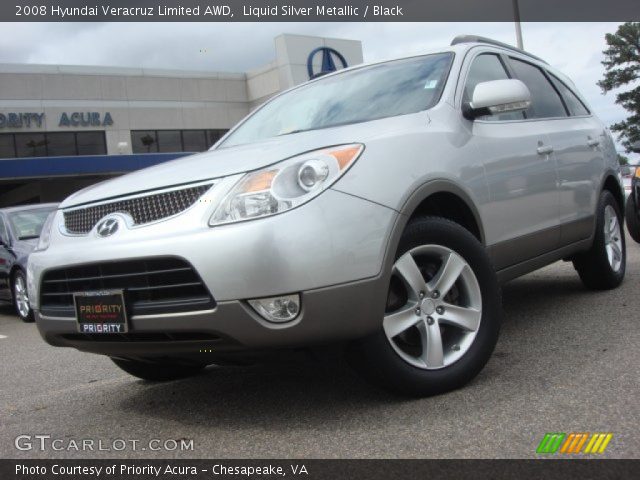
[{"x": 102, "y": 312}]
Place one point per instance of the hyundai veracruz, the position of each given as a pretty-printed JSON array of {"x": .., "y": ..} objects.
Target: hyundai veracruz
[{"x": 378, "y": 208}]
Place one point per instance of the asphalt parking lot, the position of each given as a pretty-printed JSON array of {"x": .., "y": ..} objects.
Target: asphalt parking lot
[{"x": 568, "y": 361}]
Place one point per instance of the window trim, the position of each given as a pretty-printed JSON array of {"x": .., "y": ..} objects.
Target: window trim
[{"x": 465, "y": 66}]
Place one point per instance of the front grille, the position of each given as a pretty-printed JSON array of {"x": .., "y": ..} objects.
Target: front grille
[
  {"x": 142, "y": 209},
  {"x": 151, "y": 286}
]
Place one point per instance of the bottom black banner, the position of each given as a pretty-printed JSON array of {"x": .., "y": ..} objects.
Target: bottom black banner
[{"x": 316, "y": 469}]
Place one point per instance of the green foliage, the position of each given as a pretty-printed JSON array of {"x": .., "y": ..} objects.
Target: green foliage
[
  {"x": 622, "y": 68},
  {"x": 623, "y": 159}
]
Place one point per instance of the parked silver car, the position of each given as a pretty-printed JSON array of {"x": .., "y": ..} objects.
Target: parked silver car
[{"x": 379, "y": 207}]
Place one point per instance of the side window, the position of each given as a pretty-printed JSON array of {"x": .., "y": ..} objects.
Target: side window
[
  {"x": 487, "y": 67},
  {"x": 545, "y": 101},
  {"x": 574, "y": 104}
]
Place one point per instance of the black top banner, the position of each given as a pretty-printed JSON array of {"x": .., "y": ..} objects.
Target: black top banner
[{"x": 318, "y": 10}]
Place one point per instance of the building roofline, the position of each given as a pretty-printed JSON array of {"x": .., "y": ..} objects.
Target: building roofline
[{"x": 99, "y": 70}]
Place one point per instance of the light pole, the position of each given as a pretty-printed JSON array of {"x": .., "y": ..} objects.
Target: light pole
[{"x": 516, "y": 17}]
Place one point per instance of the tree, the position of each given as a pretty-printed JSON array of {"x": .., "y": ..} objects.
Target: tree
[
  {"x": 623, "y": 159},
  {"x": 622, "y": 67}
]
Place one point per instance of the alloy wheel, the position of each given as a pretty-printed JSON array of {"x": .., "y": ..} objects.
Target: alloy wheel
[
  {"x": 612, "y": 238},
  {"x": 21, "y": 296},
  {"x": 434, "y": 307}
]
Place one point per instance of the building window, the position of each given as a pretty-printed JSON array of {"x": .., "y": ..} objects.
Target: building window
[
  {"x": 152, "y": 141},
  {"x": 52, "y": 144}
]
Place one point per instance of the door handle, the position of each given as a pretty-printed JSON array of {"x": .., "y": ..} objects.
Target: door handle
[
  {"x": 592, "y": 142},
  {"x": 545, "y": 150}
]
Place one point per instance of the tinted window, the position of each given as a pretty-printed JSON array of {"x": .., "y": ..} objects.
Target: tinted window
[
  {"x": 545, "y": 101},
  {"x": 61, "y": 144},
  {"x": 7, "y": 149},
  {"x": 575, "y": 106},
  {"x": 378, "y": 91},
  {"x": 31, "y": 145},
  {"x": 485, "y": 68},
  {"x": 169, "y": 141},
  {"x": 144, "y": 141},
  {"x": 91, "y": 143},
  {"x": 194, "y": 140}
]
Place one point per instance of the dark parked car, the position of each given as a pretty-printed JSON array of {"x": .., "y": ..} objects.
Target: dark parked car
[
  {"x": 19, "y": 232},
  {"x": 632, "y": 210}
]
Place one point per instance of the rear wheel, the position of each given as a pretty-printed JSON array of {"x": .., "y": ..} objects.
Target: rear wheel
[
  {"x": 21, "y": 297},
  {"x": 602, "y": 267},
  {"x": 443, "y": 313},
  {"x": 157, "y": 371},
  {"x": 631, "y": 216}
]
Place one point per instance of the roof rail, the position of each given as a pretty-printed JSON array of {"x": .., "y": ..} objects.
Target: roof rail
[{"x": 489, "y": 41}]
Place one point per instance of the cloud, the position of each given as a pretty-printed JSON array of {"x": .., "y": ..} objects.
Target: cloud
[{"x": 574, "y": 48}]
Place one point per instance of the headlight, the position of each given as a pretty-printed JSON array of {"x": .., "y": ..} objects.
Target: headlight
[
  {"x": 45, "y": 233},
  {"x": 285, "y": 185}
]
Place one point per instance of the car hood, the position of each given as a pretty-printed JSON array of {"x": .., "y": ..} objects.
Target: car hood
[
  {"x": 24, "y": 247},
  {"x": 221, "y": 162}
]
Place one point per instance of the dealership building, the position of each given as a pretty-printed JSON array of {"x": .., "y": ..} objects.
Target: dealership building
[{"x": 66, "y": 127}]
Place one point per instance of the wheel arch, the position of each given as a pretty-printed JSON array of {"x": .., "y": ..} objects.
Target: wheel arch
[
  {"x": 611, "y": 183},
  {"x": 439, "y": 198}
]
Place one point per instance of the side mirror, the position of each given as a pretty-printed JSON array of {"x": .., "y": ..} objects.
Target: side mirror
[{"x": 498, "y": 96}]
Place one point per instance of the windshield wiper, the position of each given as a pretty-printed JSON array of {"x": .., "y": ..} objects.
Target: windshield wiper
[
  {"x": 28, "y": 237},
  {"x": 295, "y": 131}
]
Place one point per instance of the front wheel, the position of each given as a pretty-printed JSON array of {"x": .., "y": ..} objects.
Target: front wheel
[
  {"x": 602, "y": 267},
  {"x": 21, "y": 297},
  {"x": 157, "y": 371},
  {"x": 442, "y": 316}
]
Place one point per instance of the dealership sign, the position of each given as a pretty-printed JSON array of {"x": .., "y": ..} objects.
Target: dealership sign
[{"x": 73, "y": 119}]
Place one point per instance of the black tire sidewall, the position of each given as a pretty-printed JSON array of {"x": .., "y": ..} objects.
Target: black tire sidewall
[
  {"x": 384, "y": 366},
  {"x": 631, "y": 217},
  {"x": 593, "y": 265}
]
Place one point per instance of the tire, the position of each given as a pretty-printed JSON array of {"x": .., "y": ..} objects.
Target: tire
[
  {"x": 597, "y": 267},
  {"x": 394, "y": 361},
  {"x": 631, "y": 217},
  {"x": 157, "y": 372},
  {"x": 21, "y": 297}
]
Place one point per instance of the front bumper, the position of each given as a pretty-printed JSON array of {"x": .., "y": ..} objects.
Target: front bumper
[{"x": 331, "y": 250}]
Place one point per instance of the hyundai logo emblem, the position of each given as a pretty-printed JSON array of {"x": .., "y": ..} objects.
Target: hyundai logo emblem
[
  {"x": 107, "y": 227},
  {"x": 329, "y": 57}
]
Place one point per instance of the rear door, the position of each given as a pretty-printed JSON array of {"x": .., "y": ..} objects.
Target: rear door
[
  {"x": 521, "y": 218},
  {"x": 578, "y": 148}
]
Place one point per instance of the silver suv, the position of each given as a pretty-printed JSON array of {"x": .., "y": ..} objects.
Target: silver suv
[{"x": 378, "y": 208}]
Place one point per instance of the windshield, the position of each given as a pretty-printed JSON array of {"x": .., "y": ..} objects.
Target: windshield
[
  {"x": 383, "y": 90},
  {"x": 27, "y": 224}
]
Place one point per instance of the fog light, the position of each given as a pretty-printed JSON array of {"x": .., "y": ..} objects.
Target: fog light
[{"x": 277, "y": 309}]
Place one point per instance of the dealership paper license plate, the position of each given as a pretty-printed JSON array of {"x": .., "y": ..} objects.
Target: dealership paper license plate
[{"x": 101, "y": 312}]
